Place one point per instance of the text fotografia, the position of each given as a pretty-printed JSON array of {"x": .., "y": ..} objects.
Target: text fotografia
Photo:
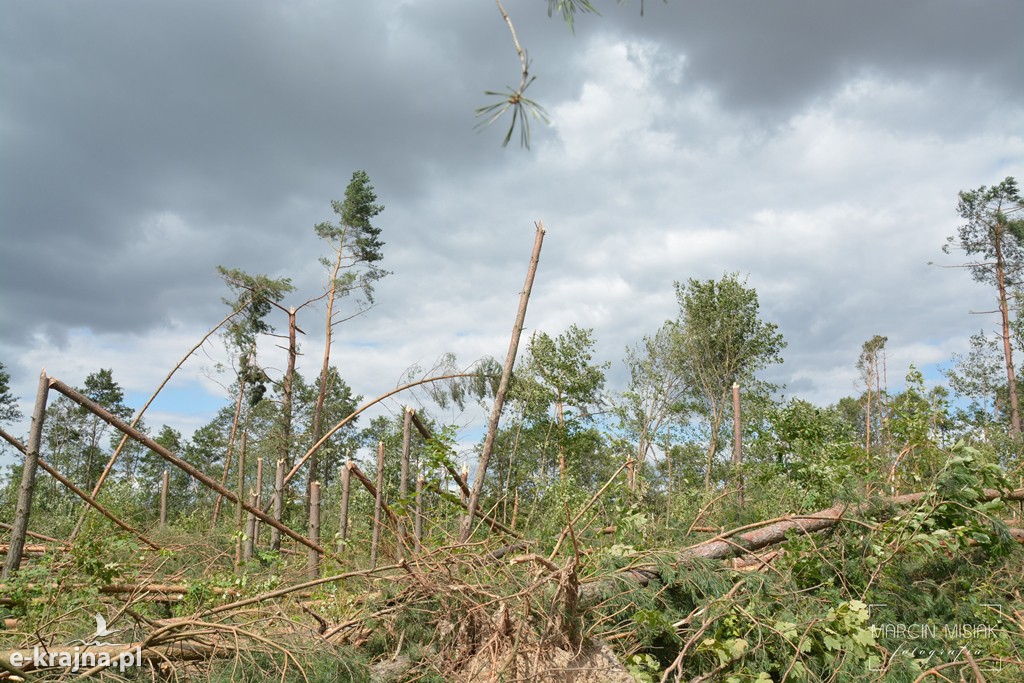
[
  {"x": 933, "y": 631},
  {"x": 76, "y": 659}
]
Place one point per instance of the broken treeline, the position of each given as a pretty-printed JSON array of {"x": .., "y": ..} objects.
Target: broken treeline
[{"x": 896, "y": 559}]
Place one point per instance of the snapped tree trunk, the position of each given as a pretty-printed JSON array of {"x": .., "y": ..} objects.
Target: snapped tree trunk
[
  {"x": 275, "y": 534},
  {"x": 312, "y": 556},
  {"x": 499, "y": 398},
  {"x": 346, "y": 478},
  {"x": 378, "y": 504},
  {"x": 164, "y": 483},
  {"x": 403, "y": 482}
]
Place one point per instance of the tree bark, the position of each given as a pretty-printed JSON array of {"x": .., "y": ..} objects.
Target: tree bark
[
  {"x": 1004, "y": 310},
  {"x": 418, "y": 533},
  {"x": 499, "y": 399},
  {"x": 312, "y": 556},
  {"x": 314, "y": 464},
  {"x": 164, "y": 483},
  {"x": 378, "y": 503},
  {"x": 23, "y": 508},
  {"x": 737, "y": 441},
  {"x": 250, "y": 531},
  {"x": 286, "y": 395},
  {"x": 403, "y": 482},
  {"x": 346, "y": 478},
  {"x": 259, "y": 500},
  {"x": 278, "y": 503}
]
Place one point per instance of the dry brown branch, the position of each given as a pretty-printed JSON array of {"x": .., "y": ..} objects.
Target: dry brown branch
[{"x": 298, "y": 587}]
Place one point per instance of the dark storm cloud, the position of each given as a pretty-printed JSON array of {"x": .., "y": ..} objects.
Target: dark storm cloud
[
  {"x": 142, "y": 144},
  {"x": 780, "y": 54},
  {"x": 225, "y": 114}
]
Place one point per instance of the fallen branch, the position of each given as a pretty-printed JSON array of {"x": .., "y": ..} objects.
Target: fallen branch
[{"x": 740, "y": 541}]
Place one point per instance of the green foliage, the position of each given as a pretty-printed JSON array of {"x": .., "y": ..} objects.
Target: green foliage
[
  {"x": 355, "y": 240},
  {"x": 9, "y": 411},
  {"x": 255, "y": 297},
  {"x": 102, "y": 556},
  {"x": 522, "y": 108},
  {"x": 992, "y": 224},
  {"x": 569, "y": 8},
  {"x": 439, "y": 450},
  {"x": 815, "y": 447},
  {"x": 644, "y": 668},
  {"x": 724, "y": 339}
]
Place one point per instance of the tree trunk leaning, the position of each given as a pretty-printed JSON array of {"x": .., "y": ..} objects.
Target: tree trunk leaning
[
  {"x": 499, "y": 399},
  {"x": 89, "y": 500},
  {"x": 152, "y": 445},
  {"x": 23, "y": 508}
]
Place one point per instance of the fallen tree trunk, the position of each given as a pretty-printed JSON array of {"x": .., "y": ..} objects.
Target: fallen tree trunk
[
  {"x": 734, "y": 543},
  {"x": 78, "y": 492},
  {"x": 752, "y": 537},
  {"x": 32, "y": 550},
  {"x": 41, "y": 537},
  {"x": 152, "y": 445},
  {"x": 122, "y": 657}
]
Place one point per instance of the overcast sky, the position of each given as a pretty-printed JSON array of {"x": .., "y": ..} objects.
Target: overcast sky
[{"x": 815, "y": 147}]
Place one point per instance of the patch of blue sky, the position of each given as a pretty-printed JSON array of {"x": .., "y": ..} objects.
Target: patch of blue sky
[{"x": 186, "y": 400}]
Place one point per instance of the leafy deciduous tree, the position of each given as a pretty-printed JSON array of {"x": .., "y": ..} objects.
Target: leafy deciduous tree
[
  {"x": 559, "y": 385},
  {"x": 722, "y": 340},
  {"x": 8, "y": 403}
]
